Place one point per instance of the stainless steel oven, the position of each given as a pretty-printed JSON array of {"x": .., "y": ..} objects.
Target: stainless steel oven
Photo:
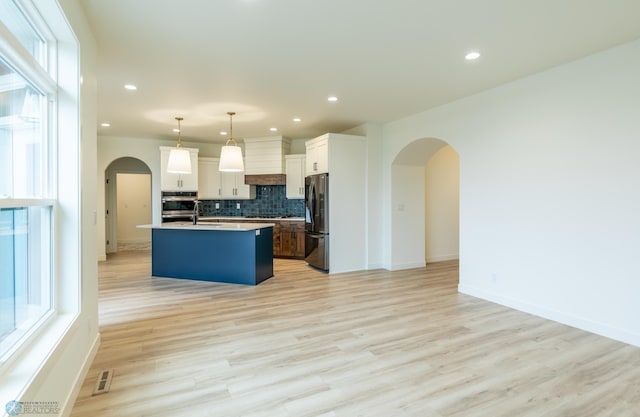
[{"x": 178, "y": 205}]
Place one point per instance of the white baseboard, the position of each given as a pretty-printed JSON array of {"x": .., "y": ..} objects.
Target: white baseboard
[
  {"x": 102, "y": 258},
  {"x": 591, "y": 326},
  {"x": 65, "y": 410},
  {"x": 409, "y": 265},
  {"x": 441, "y": 258}
]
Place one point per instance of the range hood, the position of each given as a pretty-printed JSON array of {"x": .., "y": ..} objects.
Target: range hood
[
  {"x": 265, "y": 179},
  {"x": 265, "y": 161}
]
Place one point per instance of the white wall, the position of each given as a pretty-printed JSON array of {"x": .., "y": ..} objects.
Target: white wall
[
  {"x": 442, "y": 202},
  {"x": 549, "y": 180},
  {"x": 374, "y": 192},
  {"x": 147, "y": 150},
  {"x": 407, "y": 208},
  {"x": 134, "y": 207},
  {"x": 298, "y": 146}
]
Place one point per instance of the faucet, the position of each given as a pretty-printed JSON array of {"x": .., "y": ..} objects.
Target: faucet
[{"x": 196, "y": 205}]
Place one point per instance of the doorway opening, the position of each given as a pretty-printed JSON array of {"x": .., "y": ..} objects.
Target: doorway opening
[
  {"x": 425, "y": 204},
  {"x": 128, "y": 204}
]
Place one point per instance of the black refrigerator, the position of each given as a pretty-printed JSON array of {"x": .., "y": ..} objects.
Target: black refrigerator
[{"x": 316, "y": 198}]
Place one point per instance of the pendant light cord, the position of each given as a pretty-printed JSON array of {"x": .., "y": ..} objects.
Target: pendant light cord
[
  {"x": 179, "y": 145},
  {"x": 231, "y": 139}
]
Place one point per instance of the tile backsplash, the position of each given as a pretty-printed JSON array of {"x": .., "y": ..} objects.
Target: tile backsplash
[{"x": 270, "y": 200}]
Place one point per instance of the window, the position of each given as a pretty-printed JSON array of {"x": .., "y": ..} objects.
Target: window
[
  {"x": 25, "y": 271},
  {"x": 18, "y": 24},
  {"x": 27, "y": 197}
]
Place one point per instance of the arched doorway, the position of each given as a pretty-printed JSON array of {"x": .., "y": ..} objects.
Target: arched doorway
[
  {"x": 442, "y": 206},
  {"x": 425, "y": 204},
  {"x": 127, "y": 204}
]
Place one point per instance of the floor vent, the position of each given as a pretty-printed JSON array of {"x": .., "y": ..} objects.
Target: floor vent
[{"x": 104, "y": 382}]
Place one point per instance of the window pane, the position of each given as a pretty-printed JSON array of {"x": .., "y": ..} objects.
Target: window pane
[
  {"x": 17, "y": 23},
  {"x": 25, "y": 270},
  {"x": 22, "y": 119}
]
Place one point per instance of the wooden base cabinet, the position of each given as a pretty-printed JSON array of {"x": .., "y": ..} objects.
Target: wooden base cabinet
[
  {"x": 288, "y": 236},
  {"x": 291, "y": 239},
  {"x": 277, "y": 242}
]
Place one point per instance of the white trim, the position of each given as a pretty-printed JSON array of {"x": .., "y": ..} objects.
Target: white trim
[
  {"x": 24, "y": 63},
  {"x": 47, "y": 363},
  {"x": 554, "y": 315},
  {"x": 28, "y": 362},
  {"x": 408, "y": 265},
  {"x": 67, "y": 406},
  {"x": 26, "y": 202},
  {"x": 440, "y": 258}
]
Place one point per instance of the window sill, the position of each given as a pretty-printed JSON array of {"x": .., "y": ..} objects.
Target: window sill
[{"x": 20, "y": 370}]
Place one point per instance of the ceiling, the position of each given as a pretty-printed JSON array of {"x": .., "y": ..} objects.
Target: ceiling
[{"x": 273, "y": 60}]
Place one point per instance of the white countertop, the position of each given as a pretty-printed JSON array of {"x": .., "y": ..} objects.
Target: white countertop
[
  {"x": 262, "y": 219},
  {"x": 239, "y": 227}
]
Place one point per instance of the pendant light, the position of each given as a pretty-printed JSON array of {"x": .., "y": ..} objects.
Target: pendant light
[
  {"x": 179, "y": 158},
  {"x": 231, "y": 155}
]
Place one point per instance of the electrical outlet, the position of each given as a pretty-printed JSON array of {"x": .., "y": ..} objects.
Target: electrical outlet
[
  {"x": 217, "y": 206},
  {"x": 238, "y": 206}
]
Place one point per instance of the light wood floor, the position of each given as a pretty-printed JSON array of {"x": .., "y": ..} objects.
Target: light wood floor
[{"x": 375, "y": 343}]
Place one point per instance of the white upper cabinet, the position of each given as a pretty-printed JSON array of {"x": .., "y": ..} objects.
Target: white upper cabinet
[
  {"x": 233, "y": 187},
  {"x": 295, "y": 170},
  {"x": 209, "y": 185},
  {"x": 317, "y": 159},
  {"x": 178, "y": 182}
]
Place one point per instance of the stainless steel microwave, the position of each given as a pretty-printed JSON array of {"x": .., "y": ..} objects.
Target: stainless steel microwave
[{"x": 178, "y": 205}]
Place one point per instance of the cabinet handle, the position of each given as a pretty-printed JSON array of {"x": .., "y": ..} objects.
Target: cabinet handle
[
  {"x": 219, "y": 191},
  {"x": 315, "y": 166}
]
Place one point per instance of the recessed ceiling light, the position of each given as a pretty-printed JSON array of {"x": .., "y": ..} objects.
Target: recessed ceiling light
[
  {"x": 223, "y": 133},
  {"x": 105, "y": 124},
  {"x": 273, "y": 129},
  {"x": 472, "y": 56},
  {"x": 176, "y": 130},
  {"x": 332, "y": 98},
  {"x": 130, "y": 87},
  {"x": 297, "y": 119}
]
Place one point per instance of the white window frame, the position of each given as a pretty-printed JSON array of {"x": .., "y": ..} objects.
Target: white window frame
[{"x": 36, "y": 352}]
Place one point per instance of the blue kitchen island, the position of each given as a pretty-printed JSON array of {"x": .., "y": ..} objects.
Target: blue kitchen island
[{"x": 238, "y": 253}]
